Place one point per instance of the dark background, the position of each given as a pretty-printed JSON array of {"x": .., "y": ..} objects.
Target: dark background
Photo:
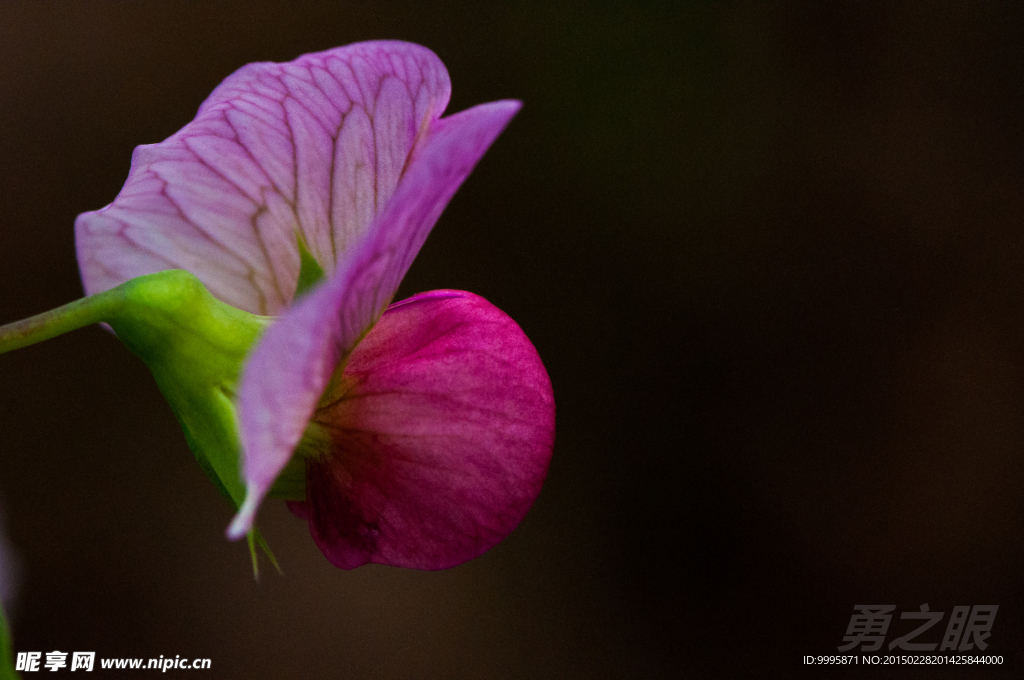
[{"x": 772, "y": 257}]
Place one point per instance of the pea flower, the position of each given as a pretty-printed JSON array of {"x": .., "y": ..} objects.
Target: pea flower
[{"x": 251, "y": 259}]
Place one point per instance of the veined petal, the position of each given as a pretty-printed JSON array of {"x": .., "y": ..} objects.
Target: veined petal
[
  {"x": 312, "y": 149},
  {"x": 289, "y": 369},
  {"x": 440, "y": 438}
]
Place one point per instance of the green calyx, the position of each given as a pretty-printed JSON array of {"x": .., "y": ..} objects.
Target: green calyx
[{"x": 194, "y": 344}]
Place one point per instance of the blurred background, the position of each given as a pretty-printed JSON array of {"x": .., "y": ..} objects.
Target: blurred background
[{"x": 773, "y": 259}]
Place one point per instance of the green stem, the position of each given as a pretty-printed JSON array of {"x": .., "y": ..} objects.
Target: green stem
[
  {"x": 72, "y": 316},
  {"x": 7, "y": 671}
]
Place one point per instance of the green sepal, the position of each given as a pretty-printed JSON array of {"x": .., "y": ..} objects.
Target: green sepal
[
  {"x": 195, "y": 346},
  {"x": 254, "y": 538},
  {"x": 310, "y": 271}
]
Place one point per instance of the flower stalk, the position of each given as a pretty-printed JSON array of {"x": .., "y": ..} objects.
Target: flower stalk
[
  {"x": 97, "y": 308},
  {"x": 7, "y": 671}
]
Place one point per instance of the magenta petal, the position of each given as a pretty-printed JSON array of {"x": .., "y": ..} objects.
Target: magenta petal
[
  {"x": 313, "y": 148},
  {"x": 440, "y": 443},
  {"x": 287, "y": 372}
]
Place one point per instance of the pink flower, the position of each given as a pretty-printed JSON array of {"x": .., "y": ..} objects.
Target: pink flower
[{"x": 303, "y": 191}]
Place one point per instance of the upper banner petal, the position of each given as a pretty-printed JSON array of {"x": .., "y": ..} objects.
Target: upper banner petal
[
  {"x": 288, "y": 371},
  {"x": 310, "y": 149}
]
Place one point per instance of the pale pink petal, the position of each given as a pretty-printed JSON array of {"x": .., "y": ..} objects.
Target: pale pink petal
[
  {"x": 314, "y": 148},
  {"x": 287, "y": 373},
  {"x": 440, "y": 440}
]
